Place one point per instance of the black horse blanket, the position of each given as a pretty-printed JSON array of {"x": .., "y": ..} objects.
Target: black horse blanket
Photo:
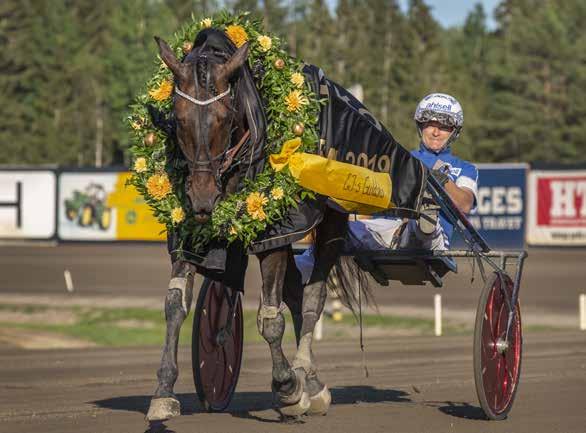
[{"x": 348, "y": 133}]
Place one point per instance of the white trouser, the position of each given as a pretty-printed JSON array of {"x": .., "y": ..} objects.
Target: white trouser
[{"x": 379, "y": 234}]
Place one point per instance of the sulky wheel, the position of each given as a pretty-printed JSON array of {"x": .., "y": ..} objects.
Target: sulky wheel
[
  {"x": 216, "y": 346},
  {"x": 497, "y": 361}
]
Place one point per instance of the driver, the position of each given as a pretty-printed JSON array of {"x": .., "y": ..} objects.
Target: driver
[{"x": 439, "y": 119}]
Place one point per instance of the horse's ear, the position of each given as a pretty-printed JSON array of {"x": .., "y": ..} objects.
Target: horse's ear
[
  {"x": 235, "y": 62},
  {"x": 168, "y": 57}
]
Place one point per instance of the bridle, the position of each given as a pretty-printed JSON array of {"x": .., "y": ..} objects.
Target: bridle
[
  {"x": 202, "y": 103},
  {"x": 228, "y": 154}
]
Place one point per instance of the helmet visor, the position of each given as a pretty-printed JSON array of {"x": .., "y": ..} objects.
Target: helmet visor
[{"x": 445, "y": 119}]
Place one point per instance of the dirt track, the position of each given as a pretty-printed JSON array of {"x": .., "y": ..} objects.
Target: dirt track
[
  {"x": 552, "y": 280},
  {"x": 415, "y": 385}
]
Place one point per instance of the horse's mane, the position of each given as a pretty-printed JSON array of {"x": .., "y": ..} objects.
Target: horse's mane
[{"x": 217, "y": 45}]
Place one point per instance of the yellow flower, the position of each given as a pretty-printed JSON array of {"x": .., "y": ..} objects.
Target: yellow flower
[
  {"x": 158, "y": 186},
  {"x": 297, "y": 79},
  {"x": 255, "y": 205},
  {"x": 277, "y": 193},
  {"x": 233, "y": 230},
  {"x": 294, "y": 100},
  {"x": 140, "y": 165},
  {"x": 163, "y": 91},
  {"x": 177, "y": 215},
  {"x": 237, "y": 34},
  {"x": 265, "y": 42},
  {"x": 206, "y": 23}
]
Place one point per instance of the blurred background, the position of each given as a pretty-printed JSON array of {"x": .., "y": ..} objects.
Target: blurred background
[{"x": 69, "y": 70}]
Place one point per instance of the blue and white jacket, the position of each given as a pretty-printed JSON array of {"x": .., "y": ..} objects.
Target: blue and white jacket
[{"x": 462, "y": 173}]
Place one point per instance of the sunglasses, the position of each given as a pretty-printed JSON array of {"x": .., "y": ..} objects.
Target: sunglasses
[{"x": 438, "y": 125}]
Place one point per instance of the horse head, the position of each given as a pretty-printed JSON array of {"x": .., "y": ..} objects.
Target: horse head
[{"x": 206, "y": 117}]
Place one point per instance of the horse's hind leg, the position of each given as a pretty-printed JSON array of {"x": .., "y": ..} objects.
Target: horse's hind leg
[
  {"x": 319, "y": 395},
  {"x": 293, "y": 293},
  {"x": 329, "y": 244},
  {"x": 287, "y": 384},
  {"x": 164, "y": 404}
]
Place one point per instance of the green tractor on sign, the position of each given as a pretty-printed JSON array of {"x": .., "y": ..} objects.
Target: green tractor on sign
[{"x": 89, "y": 207}]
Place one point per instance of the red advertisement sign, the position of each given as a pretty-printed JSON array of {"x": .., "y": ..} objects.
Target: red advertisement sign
[
  {"x": 557, "y": 208},
  {"x": 562, "y": 201}
]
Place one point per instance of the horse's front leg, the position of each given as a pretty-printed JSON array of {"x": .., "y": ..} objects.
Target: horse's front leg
[
  {"x": 287, "y": 384},
  {"x": 164, "y": 404}
]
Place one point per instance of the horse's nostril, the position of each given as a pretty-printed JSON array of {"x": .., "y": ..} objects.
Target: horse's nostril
[{"x": 201, "y": 217}]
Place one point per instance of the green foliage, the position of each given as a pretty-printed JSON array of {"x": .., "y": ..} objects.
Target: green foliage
[
  {"x": 69, "y": 70},
  {"x": 266, "y": 199}
]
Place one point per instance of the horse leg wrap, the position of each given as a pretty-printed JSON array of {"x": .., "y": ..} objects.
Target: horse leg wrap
[
  {"x": 270, "y": 312},
  {"x": 297, "y": 402},
  {"x": 162, "y": 409},
  {"x": 185, "y": 285},
  {"x": 320, "y": 402}
]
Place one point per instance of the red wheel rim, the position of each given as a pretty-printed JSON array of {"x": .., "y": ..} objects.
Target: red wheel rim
[
  {"x": 216, "y": 363},
  {"x": 500, "y": 371}
]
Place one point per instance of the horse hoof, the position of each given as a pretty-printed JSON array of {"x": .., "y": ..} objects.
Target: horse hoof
[
  {"x": 320, "y": 403},
  {"x": 297, "y": 409},
  {"x": 162, "y": 409}
]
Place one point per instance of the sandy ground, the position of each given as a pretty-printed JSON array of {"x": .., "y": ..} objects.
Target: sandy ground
[{"x": 415, "y": 385}]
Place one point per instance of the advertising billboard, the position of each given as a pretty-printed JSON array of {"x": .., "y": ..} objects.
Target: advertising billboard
[
  {"x": 98, "y": 206},
  {"x": 500, "y": 211},
  {"x": 27, "y": 204},
  {"x": 557, "y": 208}
]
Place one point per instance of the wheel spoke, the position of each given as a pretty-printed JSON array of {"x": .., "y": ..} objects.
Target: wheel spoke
[{"x": 489, "y": 316}]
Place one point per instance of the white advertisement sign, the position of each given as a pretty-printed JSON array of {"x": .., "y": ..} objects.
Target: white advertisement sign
[
  {"x": 84, "y": 212},
  {"x": 27, "y": 204},
  {"x": 557, "y": 208}
]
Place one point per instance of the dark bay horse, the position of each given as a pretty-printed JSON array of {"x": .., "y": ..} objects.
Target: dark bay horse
[{"x": 210, "y": 121}]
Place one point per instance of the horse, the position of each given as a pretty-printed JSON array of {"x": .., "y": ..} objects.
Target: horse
[
  {"x": 208, "y": 124},
  {"x": 219, "y": 126}
]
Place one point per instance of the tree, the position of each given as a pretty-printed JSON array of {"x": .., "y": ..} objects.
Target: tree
[
  {"x": 317, "y": 36},
  {"x": 531, "y": 71}
]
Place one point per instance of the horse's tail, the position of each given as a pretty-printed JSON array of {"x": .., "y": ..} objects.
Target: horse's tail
[{"x": 351, "y": 284}]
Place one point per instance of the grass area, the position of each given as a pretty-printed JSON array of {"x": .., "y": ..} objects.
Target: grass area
[
  {"x": 117, "y": 327},
  {"x": 139, "y": 326}
]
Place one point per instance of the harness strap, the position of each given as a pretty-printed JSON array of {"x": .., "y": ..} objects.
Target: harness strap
[{"x": 231, "y": 153}]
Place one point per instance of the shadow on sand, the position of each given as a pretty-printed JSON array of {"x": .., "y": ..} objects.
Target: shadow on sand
[
  {"x": 244, "y": 403},
  {"x": 458, "y": 409}
]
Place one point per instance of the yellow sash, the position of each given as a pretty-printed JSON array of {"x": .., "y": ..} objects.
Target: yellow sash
[{"x": 350, "y": 186}]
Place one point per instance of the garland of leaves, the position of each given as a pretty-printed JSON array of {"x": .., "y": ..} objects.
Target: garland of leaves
[{"x": 292, "y": 110}]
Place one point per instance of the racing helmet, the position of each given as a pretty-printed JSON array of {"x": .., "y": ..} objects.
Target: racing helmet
[{"x": 441, "y": 108}]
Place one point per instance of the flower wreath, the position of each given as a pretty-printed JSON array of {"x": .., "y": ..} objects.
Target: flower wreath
[{"x": 292, "y": 110}]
